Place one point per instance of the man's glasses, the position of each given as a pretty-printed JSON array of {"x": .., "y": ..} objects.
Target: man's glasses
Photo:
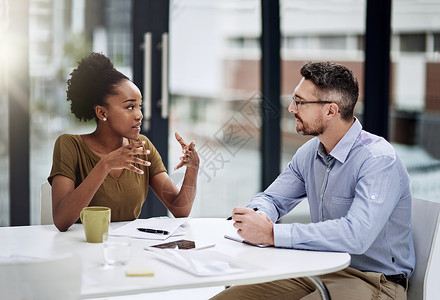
[{"x": 298, "y": 102}]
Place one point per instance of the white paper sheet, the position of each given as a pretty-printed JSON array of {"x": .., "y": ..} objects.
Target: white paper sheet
[
  {"x": 203, "y": 262},
  {"x": 168, "y": 224}
]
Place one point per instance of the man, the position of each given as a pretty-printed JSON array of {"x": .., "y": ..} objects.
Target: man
[{"x": 358, "y": 192}]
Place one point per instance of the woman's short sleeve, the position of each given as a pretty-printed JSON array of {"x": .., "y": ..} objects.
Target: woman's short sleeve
[{"x": 65, "y": 157}]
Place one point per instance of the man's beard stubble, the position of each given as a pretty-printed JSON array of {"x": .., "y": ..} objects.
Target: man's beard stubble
[{"x": 315, "y": 129}]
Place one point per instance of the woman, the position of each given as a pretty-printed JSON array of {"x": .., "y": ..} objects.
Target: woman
[{"x": 114, "y": 165}]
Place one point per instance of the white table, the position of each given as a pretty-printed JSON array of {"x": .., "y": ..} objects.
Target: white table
[{"x": 275, "y": 263}]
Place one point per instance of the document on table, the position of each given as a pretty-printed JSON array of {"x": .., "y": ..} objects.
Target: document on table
[
  {"x": 203, "y": 262},
  {"x": 237, "y": 238},
  {"x": 166, "y": 224}
]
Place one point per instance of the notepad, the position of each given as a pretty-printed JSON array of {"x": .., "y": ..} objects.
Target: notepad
[
  {"x": 241, "y": 240},
  {"x": 139, "y": 272}
]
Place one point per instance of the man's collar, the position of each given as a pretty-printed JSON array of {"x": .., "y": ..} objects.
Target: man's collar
[{"x": 343, "y": 147}]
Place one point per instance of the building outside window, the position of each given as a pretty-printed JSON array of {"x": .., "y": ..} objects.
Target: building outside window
[{"x": 215, "y": 77}]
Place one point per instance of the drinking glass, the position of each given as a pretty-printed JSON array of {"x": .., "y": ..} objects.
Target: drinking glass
[{"x": 116, "y": 250}]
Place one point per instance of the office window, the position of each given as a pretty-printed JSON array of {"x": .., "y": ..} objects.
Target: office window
[
  {"x": 118, "y": 22},
  {"x": 437, "y": 42},
  {"x": 244, "y": 42},
  {"x": 311, "y": 32},
  {"x": 296, "y": 42},
  {"x": 4, "y": 142},
  {"x": 215, "y": 77},
  {"x": 361, "y": 42},
  {"x": 252, "y": 42},
  {"x": 236, "y": 42},
  {"x": 61, "y": 33},
  {"x": 332, "y": 43},
  {"x": 413, "y": 42},
  {"x": 415, "y": 94},
  {"x": 119, "y": 47}
]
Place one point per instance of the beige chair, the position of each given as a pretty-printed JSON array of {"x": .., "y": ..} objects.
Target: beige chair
[
  {"x": 425, "y": 220},
  {"x": 46, "y": 204},
  {"x": 41, "y": 279}
]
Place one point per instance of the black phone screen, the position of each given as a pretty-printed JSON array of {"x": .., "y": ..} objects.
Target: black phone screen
[{"x": 180, "y": 244}]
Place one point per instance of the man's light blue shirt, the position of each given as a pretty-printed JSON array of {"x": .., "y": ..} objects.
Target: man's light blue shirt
[{"x": 359, "y": 198}]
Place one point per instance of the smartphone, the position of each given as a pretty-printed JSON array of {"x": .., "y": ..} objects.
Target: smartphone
[{"x": 183, "y": 245}]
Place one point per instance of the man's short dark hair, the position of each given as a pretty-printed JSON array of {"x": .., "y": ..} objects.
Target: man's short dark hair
[{"x": 335, "y": 83}]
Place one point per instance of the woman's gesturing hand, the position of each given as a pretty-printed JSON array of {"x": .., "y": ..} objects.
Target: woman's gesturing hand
[
  {"x": 190, "y": 158},
  {"x": 125, "y": 157}
]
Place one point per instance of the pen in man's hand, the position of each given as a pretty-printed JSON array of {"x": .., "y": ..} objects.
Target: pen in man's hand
[
  {"x": 156, "y": 231},
  {"x": 230, "y": 218}
]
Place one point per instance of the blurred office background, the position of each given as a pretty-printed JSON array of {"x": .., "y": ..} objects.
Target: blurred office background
[{"x": 215, "y": 83}]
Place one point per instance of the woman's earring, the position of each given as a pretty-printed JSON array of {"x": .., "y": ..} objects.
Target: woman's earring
[{"x": 104, "y": 119}]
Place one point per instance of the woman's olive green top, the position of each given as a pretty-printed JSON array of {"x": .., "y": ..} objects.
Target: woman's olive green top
[{"x": 124, "y": 195}]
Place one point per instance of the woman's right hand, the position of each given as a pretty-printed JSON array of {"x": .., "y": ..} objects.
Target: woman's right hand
[
  {"x": 68, "y": 200},
  {"x": 124, "y": 157}
]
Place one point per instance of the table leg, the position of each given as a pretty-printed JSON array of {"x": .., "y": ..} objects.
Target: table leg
[{"x": 323, "y": 291}]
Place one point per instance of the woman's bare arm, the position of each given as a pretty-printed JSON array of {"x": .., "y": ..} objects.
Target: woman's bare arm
[{"x": 68, "y": 201}]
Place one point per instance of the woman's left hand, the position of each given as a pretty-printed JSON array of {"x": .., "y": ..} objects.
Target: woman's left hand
[{"x": 190, "y": 158}]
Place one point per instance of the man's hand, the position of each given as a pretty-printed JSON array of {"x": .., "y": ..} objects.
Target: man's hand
[{"x": 255, "y": 227}]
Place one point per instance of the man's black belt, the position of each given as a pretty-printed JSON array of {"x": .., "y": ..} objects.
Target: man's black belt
[{"x": 399, "y": 279}]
